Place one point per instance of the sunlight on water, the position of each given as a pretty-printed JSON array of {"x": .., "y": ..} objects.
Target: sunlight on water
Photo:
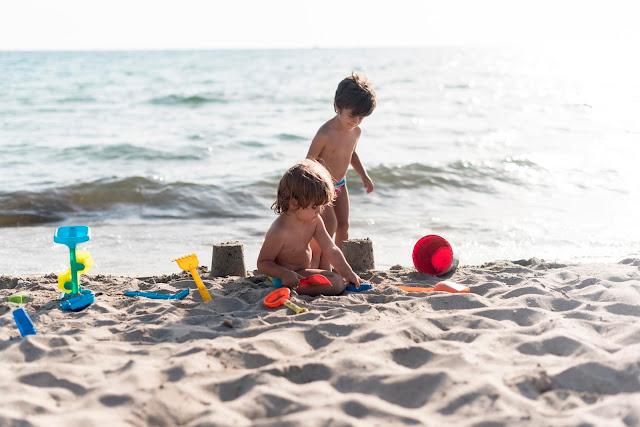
[{"x": 508, "y": 153}]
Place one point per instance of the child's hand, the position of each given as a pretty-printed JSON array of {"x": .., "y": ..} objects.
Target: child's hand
[
  {"x": 291, "y": 279},
  {"x": 368, "y": 184},
  {"x": 354, "y": 279}
]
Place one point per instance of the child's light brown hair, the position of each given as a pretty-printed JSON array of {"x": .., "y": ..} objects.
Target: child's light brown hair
[
  {"x": 309, "y": 182},
  {"x": 356, "y": 93}
]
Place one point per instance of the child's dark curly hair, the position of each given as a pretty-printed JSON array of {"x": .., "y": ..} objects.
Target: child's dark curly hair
[
  {"x": 356, "y": 93},
  {"x": 308, "y": 182}
]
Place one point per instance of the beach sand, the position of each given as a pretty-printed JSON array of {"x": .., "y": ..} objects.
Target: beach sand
[{"x": 534, "y": 343}]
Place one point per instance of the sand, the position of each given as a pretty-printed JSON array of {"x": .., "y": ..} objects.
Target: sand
[{"x": 534, "y": 343}]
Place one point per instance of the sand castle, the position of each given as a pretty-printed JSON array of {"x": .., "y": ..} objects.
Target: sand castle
[{"x": 228, "y": 258}]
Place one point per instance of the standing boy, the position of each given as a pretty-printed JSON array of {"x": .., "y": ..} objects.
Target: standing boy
[
  {"x": 304, "y": 190},
  {"x": 335, "y": 145}
]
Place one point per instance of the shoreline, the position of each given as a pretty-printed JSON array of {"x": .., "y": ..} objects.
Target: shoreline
[
  {"x": 533, "y": 343},
  {"x": 204, "y": 269}
]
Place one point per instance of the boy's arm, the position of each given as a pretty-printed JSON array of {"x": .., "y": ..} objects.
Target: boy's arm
[
  {"x": 335, "y": 255},
  {"x": 266, "y": 264},
  {"x": 318, "y": 143},
  {"x": 359, "y": 168}
]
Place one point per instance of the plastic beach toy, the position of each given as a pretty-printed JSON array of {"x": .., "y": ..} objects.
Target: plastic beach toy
[
  {"x": 82, "y": 300},
  {"x": 18, "y": 298},
  {"x": 415, "y": 289},
  {"x": 315, "y": 279},
  {"x": 445, "y": 286},
  {"x": 281, "y": 297},
  {"x": 363, "y": 287},
  {"x": 190, "y": 263},
  {"x": 453, "y": 287},
  {"x": 80, "y": 261},
  {"x": 178, "y": 295},
  {"x": 277, "y": 297},
  {"x": 65, "y": 279},
  {"x": 434, "y": 255},
  {"x": 24, "y": 323}
]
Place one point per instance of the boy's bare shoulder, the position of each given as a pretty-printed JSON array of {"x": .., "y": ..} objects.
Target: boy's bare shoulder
[
  {"x": 326, "y": 128},
  {"x": 278, "y": 228}
]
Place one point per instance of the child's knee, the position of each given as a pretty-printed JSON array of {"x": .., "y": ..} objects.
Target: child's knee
[
  {"x": 337, "y": 283},
  {"x": 339, "y": 289},
  {"x": 336, "y": 288}
]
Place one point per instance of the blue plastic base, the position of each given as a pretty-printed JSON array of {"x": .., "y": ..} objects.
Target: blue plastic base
[
  {"x": 82, "y": 300},
  {"x": 363, "y": 287},
  {"x": 179, "y": 295}
]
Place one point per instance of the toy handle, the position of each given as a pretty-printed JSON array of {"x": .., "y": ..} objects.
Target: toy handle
[
  {"x": 203, "y": 291},
  {"x": 151, "y": 295},
  {"x": 294, "y": 307}
]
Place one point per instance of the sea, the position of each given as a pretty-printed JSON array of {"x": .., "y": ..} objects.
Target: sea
[{"x": 507, "y": 152}]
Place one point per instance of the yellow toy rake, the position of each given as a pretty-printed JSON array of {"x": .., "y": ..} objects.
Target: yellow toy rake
[{"x": 190, "y": 263}]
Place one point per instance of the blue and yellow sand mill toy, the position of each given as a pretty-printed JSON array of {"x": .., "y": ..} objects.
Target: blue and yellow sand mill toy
[{"x": 76, "y": 298}]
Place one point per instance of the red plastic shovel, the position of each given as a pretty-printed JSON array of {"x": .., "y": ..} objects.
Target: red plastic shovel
[{"x": 315, "y": 279}]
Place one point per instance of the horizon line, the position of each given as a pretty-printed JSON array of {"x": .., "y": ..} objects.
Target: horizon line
[{"x": 284, "y": 47}]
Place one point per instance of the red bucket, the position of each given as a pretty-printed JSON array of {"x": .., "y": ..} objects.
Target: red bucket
[{"x": 434, "y": 255}]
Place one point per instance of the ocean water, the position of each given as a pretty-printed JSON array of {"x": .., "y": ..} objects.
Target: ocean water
[{"x": 507, "y": 153}]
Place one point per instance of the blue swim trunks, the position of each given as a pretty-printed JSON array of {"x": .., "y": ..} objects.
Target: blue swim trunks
[{"x": 338, "y": 186}]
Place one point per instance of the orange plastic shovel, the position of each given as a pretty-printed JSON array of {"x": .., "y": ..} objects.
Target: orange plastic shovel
[
  {"x": 414, "y": 289},
  {"x": 445, "y": 286},
  {"x": 281, "y": 297}
]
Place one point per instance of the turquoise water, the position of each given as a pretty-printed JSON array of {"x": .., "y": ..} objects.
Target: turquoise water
[{"x": 508, "y": 154}]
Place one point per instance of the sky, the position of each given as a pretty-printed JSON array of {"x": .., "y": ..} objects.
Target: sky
[{"x": 229, "y": 24}]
